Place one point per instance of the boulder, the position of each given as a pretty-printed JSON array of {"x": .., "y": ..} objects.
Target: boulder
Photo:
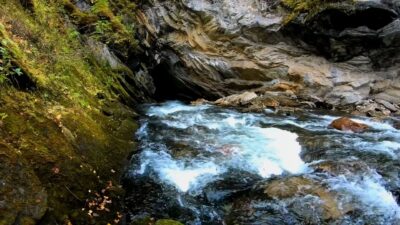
[
  {"x": 337, "y": 168},
  {"x": 346, "y": 124},
  {"x": 237, "y": 99},
  {"x": 302, "y": 186},
  {"x": 199, "y": 101}
]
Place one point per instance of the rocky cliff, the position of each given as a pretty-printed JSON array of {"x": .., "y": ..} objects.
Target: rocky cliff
[{"x": 328, "y": 53}]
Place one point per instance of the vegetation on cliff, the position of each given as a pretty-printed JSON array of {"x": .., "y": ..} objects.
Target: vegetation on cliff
[
  {"x": 64, "y": 133},
  {"x": 310, "y": 7}
]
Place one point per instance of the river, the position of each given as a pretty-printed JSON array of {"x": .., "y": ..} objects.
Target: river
[{"x": 210, "y": 165}]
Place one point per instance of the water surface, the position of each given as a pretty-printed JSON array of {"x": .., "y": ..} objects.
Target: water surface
[{"x": 210, "y": 165}]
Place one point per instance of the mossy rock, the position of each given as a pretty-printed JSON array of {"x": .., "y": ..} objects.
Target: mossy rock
[
  {"x": 310, "y": 7},
  {"x": 57, "y": 141},
  {"x": 167, "y": 222},
  {"x": 23, "y": 198}
]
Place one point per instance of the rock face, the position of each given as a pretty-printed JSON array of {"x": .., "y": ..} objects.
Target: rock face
[
  {"x": 347, "y": 124},
  {"x": 338, "y": 53}
]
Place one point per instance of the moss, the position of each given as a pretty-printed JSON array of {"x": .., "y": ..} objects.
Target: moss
[
  {"x": 102, "y": 8},
  {"x": 21, "y": 194},
  {"x": 104, "y": 22},
  {"x": 59, "y": 129},
  {"x": 167, "y": 222},
  {"x": 310, "y": 7},
  {"x": 149, "y": 220}
]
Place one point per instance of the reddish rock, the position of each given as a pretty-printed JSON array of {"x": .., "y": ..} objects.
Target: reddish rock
[{"x": 346, "y": 124}]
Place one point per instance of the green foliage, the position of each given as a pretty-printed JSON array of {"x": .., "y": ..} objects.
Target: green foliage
[
  {"x": 74, "y": 34},
  {"x": 6, "y": 66},
  {"x": 102, "y": 28},
  {"x": 3, "y": 116},
  {"x": 107, "y": 21}
]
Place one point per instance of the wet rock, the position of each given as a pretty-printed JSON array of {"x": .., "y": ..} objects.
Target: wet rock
[
  {"x": 346, "y": 124},
  {"x": 264, "y": 102},
  {"x": 234, "y": 184},
  {"x": 237, "y": 99},
  {"x": 341, "y": 167},
  {"x": 146, "y": 197},
  {"x": 303, "y": 186},
  {"x": 290, "y": 200},
  {"x": 199, "y": 101},
  {"x": 396, "y": 125}
]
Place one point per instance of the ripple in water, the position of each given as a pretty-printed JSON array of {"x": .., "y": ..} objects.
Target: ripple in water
[{"x": 230, "y": 141}]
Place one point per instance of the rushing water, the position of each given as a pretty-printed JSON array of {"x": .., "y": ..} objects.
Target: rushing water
[{"x": 210, "y": 165}]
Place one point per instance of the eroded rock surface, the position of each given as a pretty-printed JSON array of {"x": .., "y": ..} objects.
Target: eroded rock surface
[{"x": 338, "y": 53}]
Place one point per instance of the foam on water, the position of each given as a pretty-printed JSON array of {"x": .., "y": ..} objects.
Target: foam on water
[
  {"x": 370, "y": 194},
  {"x": 281, "y": 153},
  {"x": 178, "y": 173},
  {"x": 189, "y": 147},
  {"x": 234, "y": 139},
  {"x": 172, "y": 107},
  {"x": 375, "y": 124},
  {"x": 386, "y": 147}
]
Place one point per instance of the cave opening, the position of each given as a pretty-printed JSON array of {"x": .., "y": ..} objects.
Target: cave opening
[
  {"x": 373, "y": 18},
  {"x": 169, "y": 87},
  {"x": 173, "y": 81}
]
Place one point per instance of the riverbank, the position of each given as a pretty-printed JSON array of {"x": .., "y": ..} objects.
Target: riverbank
[{"x": 66, "y": 128}]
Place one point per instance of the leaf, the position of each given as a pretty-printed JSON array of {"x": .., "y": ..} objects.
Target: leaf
[{"x": 18, "y": 71}]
